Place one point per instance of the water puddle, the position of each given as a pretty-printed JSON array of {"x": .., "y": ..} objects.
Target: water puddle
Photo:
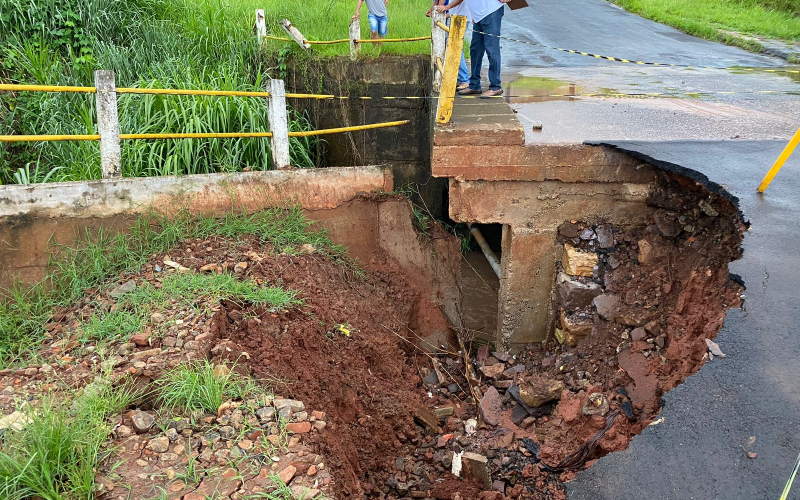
[{"x": 526, "y": 89}]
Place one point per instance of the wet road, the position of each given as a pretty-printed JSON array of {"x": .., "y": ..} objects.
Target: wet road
[{"x": 599, "y": 27}]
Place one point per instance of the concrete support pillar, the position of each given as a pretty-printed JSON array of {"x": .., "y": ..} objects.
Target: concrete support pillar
[
  {"x": 528, "y": 262},
  {"x": 108, "y": 124}
]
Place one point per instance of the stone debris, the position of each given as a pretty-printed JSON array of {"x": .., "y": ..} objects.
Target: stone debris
[
  {"x": 475, "y": 466},
  {"x": 577, "y": 263},
  {"x": 537, "y": 391},
  {"x": 575, "y": 294},
  {"x": 607, "y": 306}
]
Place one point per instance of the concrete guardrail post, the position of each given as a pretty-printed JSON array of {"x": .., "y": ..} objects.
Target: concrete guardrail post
[
  {"x": 279, "y": 124},
  {"x": 438, "y": 45},
  {"x": 355, "y": 36},
  {"x": 108, "y": 124},
  {"x": 260, "y": 27}
]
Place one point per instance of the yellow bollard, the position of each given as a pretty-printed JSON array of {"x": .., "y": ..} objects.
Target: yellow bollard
[
  {"x": 452, "y": 58},
  {"x": 787, "y": 152}
]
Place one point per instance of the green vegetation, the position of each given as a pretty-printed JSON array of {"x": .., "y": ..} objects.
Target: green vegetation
[
  {"x": 134, "y": 308},
  {"x": 280, "y": 491},
  {"x": 102, "y": 255},
  {"x": 55, "y": 456},
  {"x": 330, "y": 20},
  {"x": 769, "y": 18},
  {"x": 149, "y": 43},
  {"x": 196, "y": 386}
]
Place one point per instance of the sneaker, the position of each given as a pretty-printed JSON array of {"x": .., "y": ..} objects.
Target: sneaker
[
  {"x": 468, "y": 91},
  {"x": 492, "y": 93},
  {"x": 462, "y": 86}
]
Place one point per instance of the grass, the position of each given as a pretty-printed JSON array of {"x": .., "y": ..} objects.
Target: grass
[
  {"x": 330, "y": 20},
  {"x": 195, "y": 386},
  {"x": 148, "y": 43},
  {"x": 102, "y": 255},
  {"x": 56, "y": 455},
  {"x": 280, "y": 491},
  {"x": 778, "y": 19}
]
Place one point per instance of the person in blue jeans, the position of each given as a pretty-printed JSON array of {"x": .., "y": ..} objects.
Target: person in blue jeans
[
  {"x": 487, "y": 16},
  {"x": 378, "y": 17},
  {"x": 463, "y": 70}
]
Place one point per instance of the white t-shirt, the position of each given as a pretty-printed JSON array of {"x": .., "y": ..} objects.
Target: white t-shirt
[
  {"x": 479, "y": 9},
  {"x": 461, "y": 9}
]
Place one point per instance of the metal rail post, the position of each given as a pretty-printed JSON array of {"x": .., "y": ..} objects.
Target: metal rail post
[
  {"x": 108, "y": 124},
  {"x": 279, "y": 124},
  {"x": 438, "y": 46},
  {"x": 458, "y": 25}
]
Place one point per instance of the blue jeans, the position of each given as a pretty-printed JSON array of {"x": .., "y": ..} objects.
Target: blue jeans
[
  {"x": 489, "y": 45},
  {"x": 463, "y": 71},
  {"x": 379, "y": 24}
]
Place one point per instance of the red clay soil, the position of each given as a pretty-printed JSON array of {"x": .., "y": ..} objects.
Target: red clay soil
[{"x": 358, "y": 373}]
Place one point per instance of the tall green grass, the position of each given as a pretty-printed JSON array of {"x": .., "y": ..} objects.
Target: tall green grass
[
  {"x": 101, "y": 255},
  {"x": 148, "y": 43},
  {"x": 330, "y": 20},
  {"x": 769, "y": 18}
]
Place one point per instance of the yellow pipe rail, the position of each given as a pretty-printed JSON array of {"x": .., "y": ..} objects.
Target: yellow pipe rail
[
  {"x": 347, "y": 40},
  {"x": 210, "y": 135},
  {"x": 45, "y": 88},
  {"x": 230, "y": 93},
  {"x": 443, "y": 26}
]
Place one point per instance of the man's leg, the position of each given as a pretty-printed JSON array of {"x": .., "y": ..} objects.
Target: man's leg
[
  {"x": 492, "y": 43},
  {"x": 373, "y": 26},
  {"x": 476, "y": 51},
  {"x": 383, "y": 28}
]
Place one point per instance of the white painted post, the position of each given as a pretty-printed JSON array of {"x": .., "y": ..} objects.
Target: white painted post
[
  {"x": 108, "y": 124},
  {"x": 260, "y": 27},
  {"x": 438, "y": 45},
  {"x": 355, "y": 35},
  {"x": 279, "y": 124}
]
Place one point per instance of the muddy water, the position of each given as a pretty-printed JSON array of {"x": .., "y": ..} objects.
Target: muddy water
[
  {"x": 480, "y": 287},
  {"x": 525, "y": 89}
]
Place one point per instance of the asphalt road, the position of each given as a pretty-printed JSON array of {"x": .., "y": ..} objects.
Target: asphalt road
[
  {"x": 699, "y": 449},
  {"x": 600, "y": 27}
]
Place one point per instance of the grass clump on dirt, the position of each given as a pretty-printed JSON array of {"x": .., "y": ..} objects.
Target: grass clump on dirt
[
  {"x": 769, "y": 18},
  {"x": 101, "y": 255},
  {"x": 55, "y": 455},
  {"x": 202, "y": 386}
]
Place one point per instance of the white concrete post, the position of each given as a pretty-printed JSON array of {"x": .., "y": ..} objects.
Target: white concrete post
[
  {"x": 108, "y": 124},
  {"x": 355, "y": 35},
  {"x": 260, "y": 27},
  {"x": 279, "y": 124},
  {"x": 438, "y": 45}
]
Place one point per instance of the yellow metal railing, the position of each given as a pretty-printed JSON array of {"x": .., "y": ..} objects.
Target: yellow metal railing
[{"x": 108, "y": 126}]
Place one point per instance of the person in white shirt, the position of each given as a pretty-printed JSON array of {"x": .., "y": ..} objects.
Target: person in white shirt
[{"x": 487, "y": 16}]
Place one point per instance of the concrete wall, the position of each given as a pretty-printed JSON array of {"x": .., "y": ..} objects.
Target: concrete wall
[
  {"x": 375, "y": 228},
  {"x": 34, "y": 217},
  {"x": 407, "y": 149},
  {"x": 495, "y": 178}
]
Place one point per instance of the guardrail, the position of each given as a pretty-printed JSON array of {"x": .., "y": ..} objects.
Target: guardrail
[{"x": 106, "y": 92}]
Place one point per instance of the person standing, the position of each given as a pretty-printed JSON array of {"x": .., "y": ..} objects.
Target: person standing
[
  {"x": 487, "y": 16},
  {"x": 378, "y": 17}
]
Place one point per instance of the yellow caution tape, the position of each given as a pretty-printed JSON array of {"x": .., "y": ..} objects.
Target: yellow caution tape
[{"x": 631, "y": 61}]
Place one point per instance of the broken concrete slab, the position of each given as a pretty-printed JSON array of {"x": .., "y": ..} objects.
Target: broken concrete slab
[{"x": 577, "y": 263}]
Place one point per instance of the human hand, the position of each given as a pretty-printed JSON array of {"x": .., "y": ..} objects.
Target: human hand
[
  {"x": 441, "y": 8},
  {"x": 504, "y": 1},
  {"x": 355, "y": 17}
]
